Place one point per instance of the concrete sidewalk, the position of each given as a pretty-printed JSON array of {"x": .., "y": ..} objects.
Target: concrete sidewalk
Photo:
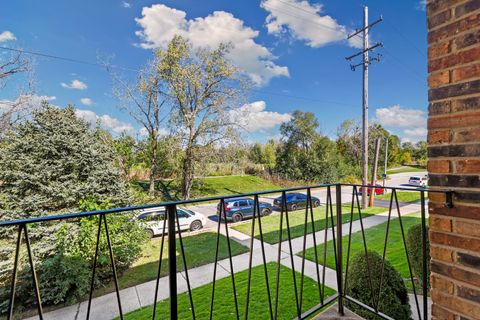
[{"x": 105, "y": 307}]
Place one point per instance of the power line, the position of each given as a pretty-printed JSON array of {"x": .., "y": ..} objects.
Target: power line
[
  {"x": 72, "y": 60},
  {"x": 51, "y": 56},
  {"x": 302, "y": 98},
  {"x": 407, "y": 40}
]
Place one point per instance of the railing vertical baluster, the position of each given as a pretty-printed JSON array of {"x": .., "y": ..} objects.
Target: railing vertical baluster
[
  {"x": 172, "y": 261},
  {"x": 212, "y": 300},
  {"x": 92, "y": 283},
  {"x": 424, "y": 256},
  {"x": 34, "y": 275},
  {"x": 14, "y": 275},
  {"x": 185, "y": 267},
  {"x": 114, "y": 269},
  {"x": 154, "y": 312},
  {"x": 277, "y": 280},
  {"x": 250, "y": 256},
  {"x": 338, "y": 190}
]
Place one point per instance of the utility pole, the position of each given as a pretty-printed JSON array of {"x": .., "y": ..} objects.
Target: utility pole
[
  {"x": 374, "y": 172},
  {"x": 365, "y": 63},
  {"x": 386, "y": 162}
]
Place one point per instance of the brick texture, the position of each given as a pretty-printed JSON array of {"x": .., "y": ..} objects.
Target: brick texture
[{"x": 454, "y": 156}]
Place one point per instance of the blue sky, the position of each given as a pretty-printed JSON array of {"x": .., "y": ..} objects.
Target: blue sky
[{"x": 294, "y": 51}]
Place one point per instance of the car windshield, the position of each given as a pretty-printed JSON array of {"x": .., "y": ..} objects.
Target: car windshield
[
  {"x": 150, "y": 215},
  {"x": 414, "y": 178}
]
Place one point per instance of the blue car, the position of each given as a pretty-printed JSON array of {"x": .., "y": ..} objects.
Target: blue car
[
  {"x": 237, "y": 209},
  {"x": 295, "y": 201}
]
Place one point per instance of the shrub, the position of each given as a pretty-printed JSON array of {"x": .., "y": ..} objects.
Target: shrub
[
  {"x": 394, "y": 295},
  {"x": 414, "y": 249}
]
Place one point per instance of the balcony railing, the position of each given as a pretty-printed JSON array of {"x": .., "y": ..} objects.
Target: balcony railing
[{"x": 334, "y": 224}]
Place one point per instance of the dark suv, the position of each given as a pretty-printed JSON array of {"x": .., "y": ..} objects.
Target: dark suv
[
  {"x": 237, "y": 209},
  {"x": 295, "y": 201}
]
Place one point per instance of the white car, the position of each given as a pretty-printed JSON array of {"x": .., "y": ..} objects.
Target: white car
[
  {"x": 152, "y": 220},
  {"x": 418, "y": 181}
]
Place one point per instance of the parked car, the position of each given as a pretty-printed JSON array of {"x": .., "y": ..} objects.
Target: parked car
[
  {"x": 152, "y": 220},
  {"x": 378, "y": 189},
  {"x": 418, "y": 181},
  {"x": 295, "y": 201},
  {"x": 237, "y": 209}
]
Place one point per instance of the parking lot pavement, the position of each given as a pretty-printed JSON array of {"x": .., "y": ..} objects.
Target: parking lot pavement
[{"x": 209, "y": 210}]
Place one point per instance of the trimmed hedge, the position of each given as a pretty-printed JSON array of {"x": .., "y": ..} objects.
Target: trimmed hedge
[
  {"x": 394, "y": 295},
  {"x": 414, "y": 249}
]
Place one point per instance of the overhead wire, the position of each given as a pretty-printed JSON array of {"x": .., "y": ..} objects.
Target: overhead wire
[{"x": 85, "y": 62}]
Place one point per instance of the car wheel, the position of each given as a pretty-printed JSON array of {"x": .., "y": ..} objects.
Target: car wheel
[
  {"x": 265, "y": 212},
  {"x": 316, "y": 203},
  {"x": 149, "y": 233},
  {"x": 237, "y": 217},
  {"x": 196, "y": 225},
  {"x": 293, "y": 207}
]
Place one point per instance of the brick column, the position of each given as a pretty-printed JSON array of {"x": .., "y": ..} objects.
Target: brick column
[{"x": 454, "y": 156}]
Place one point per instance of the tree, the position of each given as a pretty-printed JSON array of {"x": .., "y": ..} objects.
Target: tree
[
  {"x": 12, "y": 111},
  {"x": 125, "y": 150},
  {"x": 53, "y": 161},
  {"x": 143, "y": 100},
  {"x": 202, "y": 87},
  {"x": 305, "y": 154}
]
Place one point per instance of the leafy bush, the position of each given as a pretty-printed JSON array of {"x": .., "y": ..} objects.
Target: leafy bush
[
  {"x": 414, "y": 249},
  {"x": 394, "y": 295}
]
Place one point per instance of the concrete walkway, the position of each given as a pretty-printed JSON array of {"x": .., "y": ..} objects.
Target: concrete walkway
[{"x": 105, "y": 307}]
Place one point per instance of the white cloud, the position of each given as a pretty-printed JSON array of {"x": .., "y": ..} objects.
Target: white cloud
[
  {"x": 303, "y": 21},
  {"x": 397, "y": 116},
  {"x": 253, "y": 117},
  {"x": 86, "y": 101},
  {"x": 144, "y": 133},
  {"x": 422, "y": 5},
  {"x": 161, "y": 23},
  {"x": 125, "y": 4},
  {"x": 75, "y": 84},
  {"x": 412, "y": 121},
  {"x": 106, "y": 121},
  {"x": 416, "y": 132},
  {"x": 7, "y": 36}
]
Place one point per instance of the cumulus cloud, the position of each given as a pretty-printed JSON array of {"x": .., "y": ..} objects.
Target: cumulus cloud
[
  {"x": 412, "y": 121},
  {"x": 7, "y": 36},
  {"x": 253, "y": 117},
  {"x": 126, "y": 4},
  {"x": 160, "y": 24},
  {"x": 86, "y": 101},
  {"x": 106, "y": 121},
  {"x": 304, "y": 21},
  {"x": 144, "y": 133},
  {"x": 398, "y": 116},
  {"x": 75, "y": 84}
]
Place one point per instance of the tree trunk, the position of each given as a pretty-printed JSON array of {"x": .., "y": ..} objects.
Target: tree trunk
[
  {"x": 153, "y": 166},
  {"x": 187, "y": 179}
]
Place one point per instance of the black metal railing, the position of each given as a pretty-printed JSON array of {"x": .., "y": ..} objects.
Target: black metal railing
[{"x": 333, "y": 223}]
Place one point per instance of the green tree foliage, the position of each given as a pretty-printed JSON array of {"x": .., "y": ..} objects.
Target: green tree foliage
[
  {"x": 394, "y": 295},
  {"x": 203, "y": 87},
  {"x": 53, "y": 161},
  {"x": 414, "y": 249},
  {"x": 306, "y": 155},
  {"x": 264, "y": 155},
  {"x": 56, "y": 162}
]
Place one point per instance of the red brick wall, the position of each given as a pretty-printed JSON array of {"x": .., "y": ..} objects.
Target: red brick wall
[{"x": 454, "y": 156}]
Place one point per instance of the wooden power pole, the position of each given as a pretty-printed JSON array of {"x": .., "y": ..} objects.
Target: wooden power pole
[
  {"x": 374, "y": 172},
  {"x": 365, "y": 63}
]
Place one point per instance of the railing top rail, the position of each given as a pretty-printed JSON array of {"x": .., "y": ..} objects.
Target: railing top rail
[{"x": 64, "y": 216}]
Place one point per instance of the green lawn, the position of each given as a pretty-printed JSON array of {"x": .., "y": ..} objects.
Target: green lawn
[
  {"x": 271, "y": 224},
  {"x": 224, "y": 307},
  {"x": 214, "y": 186},
  {"x": 375, "y": 238},
  {"x": 406, "y": 169},
  {"x": 403, "y": 196},
  {"x": 199, "y": 250}
]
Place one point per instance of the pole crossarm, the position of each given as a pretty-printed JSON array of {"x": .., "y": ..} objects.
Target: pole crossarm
[
  {"x": 357, "y": 31},
  {"x": 378, "y": 44}
]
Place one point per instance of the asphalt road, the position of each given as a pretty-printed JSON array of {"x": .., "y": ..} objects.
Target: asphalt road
[{"x": 395, "y": 180}]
